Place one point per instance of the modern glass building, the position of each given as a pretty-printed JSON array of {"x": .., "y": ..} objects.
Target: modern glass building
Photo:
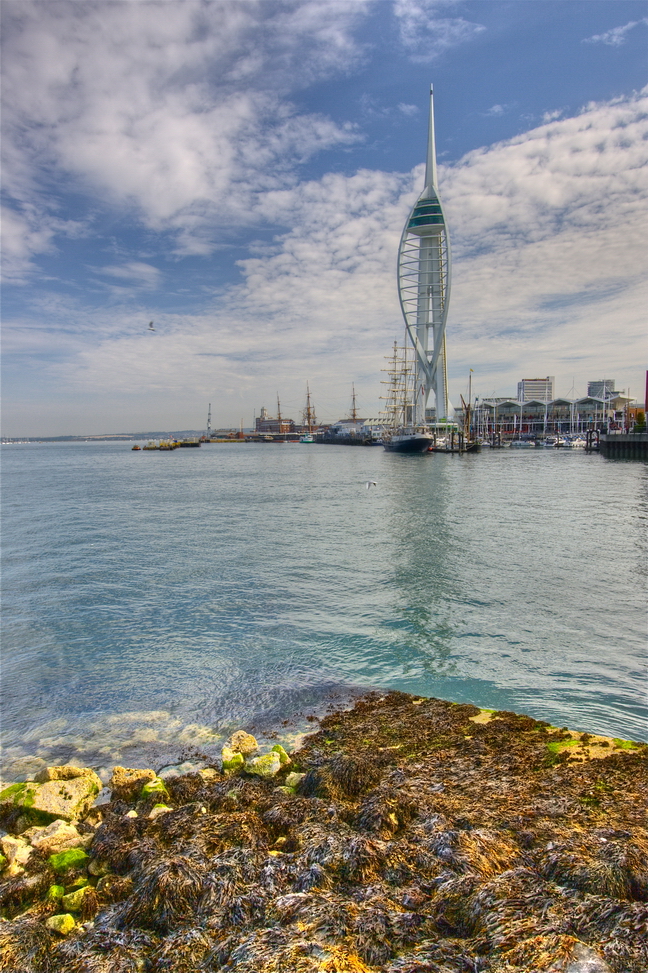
[{"x": 424, "y": 286}]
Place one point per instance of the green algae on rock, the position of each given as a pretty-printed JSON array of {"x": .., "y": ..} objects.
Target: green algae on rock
[
  {"x": 155, "y": 787},
  {"x": 63, "y": 861}
]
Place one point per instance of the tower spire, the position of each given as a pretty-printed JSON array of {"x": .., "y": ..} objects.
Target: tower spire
[{"x": 430, "y": 162}]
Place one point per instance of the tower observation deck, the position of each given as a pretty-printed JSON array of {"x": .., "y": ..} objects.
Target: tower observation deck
[{"x": 424, "y": 266}]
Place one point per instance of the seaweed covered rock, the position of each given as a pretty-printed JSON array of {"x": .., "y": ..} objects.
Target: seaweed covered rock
[{"x": 410, "y": 836}]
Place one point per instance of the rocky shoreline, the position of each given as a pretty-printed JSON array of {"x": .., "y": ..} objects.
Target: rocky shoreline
[{"x": 406, "y": 835}]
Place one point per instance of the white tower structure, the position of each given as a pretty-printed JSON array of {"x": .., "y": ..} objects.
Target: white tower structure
[{"x": 424, "y": 286}]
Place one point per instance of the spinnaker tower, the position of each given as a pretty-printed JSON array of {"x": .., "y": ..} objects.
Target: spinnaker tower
[{"x": 424, "y": 266}]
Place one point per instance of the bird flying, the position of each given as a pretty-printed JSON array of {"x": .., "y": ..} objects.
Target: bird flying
[
  {"x": 370, "y": 483},
  {"x": 151, "y": 328}
]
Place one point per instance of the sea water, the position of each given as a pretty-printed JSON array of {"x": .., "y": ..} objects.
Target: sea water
[{"x": 154, "y": 601}]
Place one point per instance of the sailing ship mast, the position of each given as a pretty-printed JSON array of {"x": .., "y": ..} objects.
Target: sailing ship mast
[
  {"x": 308, "y": 415},
  {"x": 399, "y": 396},
  {"x": 354, "y": 411}
]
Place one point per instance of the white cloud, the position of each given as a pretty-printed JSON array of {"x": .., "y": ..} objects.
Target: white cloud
[
  {"x": 26, "y": 232},
  {"x": 408, "y": 110},
  {"x": 425, "y": 34},
  {"x": 139, "y": 274},
  {"x": 617, "y": 35},
  {"x": 176, "y": 111},
  {"x": 550, "y": 248}
]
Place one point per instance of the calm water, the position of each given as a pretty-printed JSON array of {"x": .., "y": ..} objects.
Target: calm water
[{"x": 154, "y": 601}]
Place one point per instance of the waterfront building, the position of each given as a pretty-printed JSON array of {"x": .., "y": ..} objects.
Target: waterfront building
[
  {"x": 536, "y": 388},
  {"x": 265, "y": 424},
  {"x": 535, "y": 417},
  {"x": 603, "y": 389},
  {"x": 424, "y": 270},
  {"x": 354, "y": 431}
]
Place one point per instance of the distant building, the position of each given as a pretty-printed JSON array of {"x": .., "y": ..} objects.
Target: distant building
[
  {"x": 268, "y": 425},
  {"x": 603, "y": 389},
  {"x": 536, "y": 388}
]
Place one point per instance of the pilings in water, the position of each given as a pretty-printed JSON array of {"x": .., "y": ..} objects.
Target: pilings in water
[{"x": 630, "y": 445}]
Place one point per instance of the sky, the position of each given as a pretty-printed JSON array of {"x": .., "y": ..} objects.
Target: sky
[{"x": 240, "y": 172}]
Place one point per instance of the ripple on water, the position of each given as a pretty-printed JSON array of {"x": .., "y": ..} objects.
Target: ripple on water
[{"x": 151, "y": 607}]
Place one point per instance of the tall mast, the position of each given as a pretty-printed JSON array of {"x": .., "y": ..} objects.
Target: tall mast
[
  {"x": 354, "y": 411},
  {"x": 209, "y": 422},
  {"x": 309, "y": 414}
]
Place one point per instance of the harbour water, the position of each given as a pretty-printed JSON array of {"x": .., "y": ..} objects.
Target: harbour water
[{"x": 155, "y": 601}]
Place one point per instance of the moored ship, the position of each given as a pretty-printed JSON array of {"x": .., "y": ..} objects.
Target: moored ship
[{"x": 402, "y": 434}]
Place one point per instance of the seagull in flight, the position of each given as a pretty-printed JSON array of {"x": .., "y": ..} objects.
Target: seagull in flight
[
  {"x": 150, "y": 327},
  {"x": 370, "y": 483}
]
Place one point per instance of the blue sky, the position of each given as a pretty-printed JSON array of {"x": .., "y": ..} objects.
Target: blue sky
[{"x": 240, "y": 172}]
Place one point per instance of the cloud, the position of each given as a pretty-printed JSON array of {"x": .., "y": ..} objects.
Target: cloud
[
  {"x": 617, "y": 35},
  {"x": 139, "y": 274},
  {"x": 424, "y": 34},
  {"x": 28, "y": 231},
  {"x": 178, "y": 114},
  {"x": 549, "y": 245}
]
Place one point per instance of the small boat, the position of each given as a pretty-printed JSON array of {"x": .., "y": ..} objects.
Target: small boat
[
  {"x": 136, "y": 447},
  {"x": 306, "y": 438}
]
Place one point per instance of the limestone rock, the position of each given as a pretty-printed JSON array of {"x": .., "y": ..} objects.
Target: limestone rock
[
  {"x": 67, "y": 798},
  {"x": 65, "y": 772},
  {"x": 242, "y": 742},
  {"x": 209, "y": 775},
  {"x": 293, "y": 779},
  {"x": 283, "y": 756},
  {"x": 58, "y": 836},
  {"x": 266, "y": 766},
  {"x": 17, "y": 850},
  {"x": 55, "y": 892},
  {"x": 583, "y": 959},
  {"x": 73, "y": 901},
  {"x": 157, "y": 810},
  {"x": 62, "y": 924},
  {"x": 126, "y": 783},
  {"x": 232, "y": 760}
]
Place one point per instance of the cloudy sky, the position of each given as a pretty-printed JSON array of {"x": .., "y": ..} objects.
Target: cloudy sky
[{"x": 239, "y": 172}]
